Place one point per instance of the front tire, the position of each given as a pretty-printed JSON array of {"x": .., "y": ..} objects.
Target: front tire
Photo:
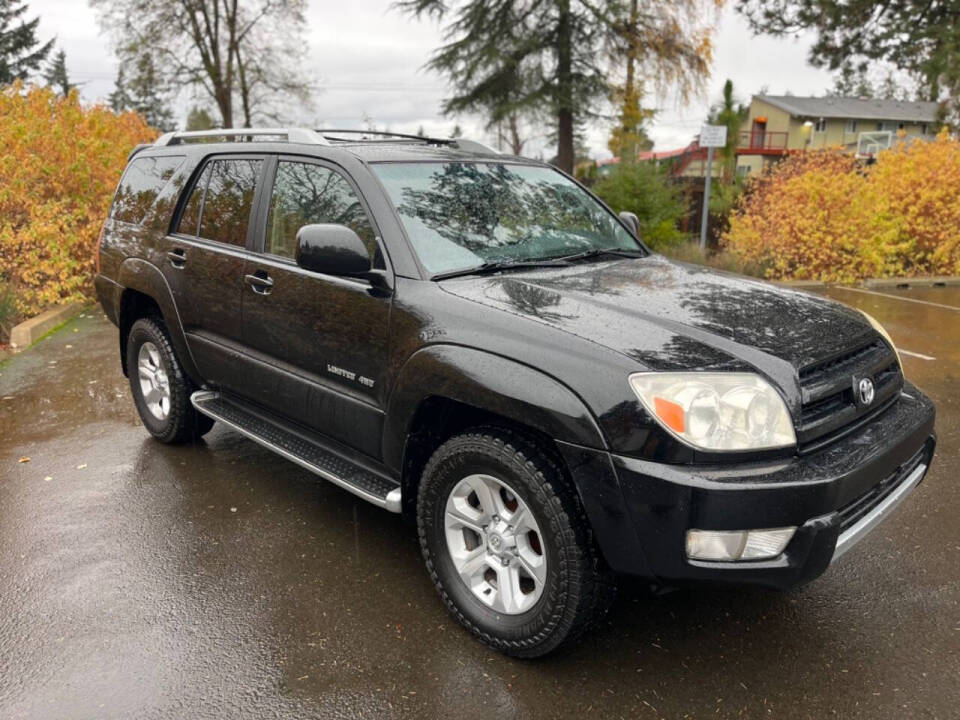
[
  {"x": 161, "y": 390},
  {"x": 507, "y": 544}
]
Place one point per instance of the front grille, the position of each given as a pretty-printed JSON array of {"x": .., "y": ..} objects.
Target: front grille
[
  {"x": 852, "y": 512},
  {"x": 830, "y": 408},
  {"x": 822, "y": 369}
]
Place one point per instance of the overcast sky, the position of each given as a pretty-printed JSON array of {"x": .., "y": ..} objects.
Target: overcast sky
[{"x": 369, "y": 60}]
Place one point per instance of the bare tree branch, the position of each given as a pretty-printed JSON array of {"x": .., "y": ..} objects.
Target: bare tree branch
[{"x": 239, "y": 52}]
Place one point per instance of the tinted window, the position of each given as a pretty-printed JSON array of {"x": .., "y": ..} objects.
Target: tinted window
[
  {"x": 304, "y": 194},
  {"x": 190, "y": 219},
  {"x": 227, "y": 203},
  {"x": 142, "y": 181},
  {"x": 460, "y": 215}
]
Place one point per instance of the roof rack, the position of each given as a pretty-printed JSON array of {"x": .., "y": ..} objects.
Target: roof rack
[
  {"x": 326, "y": 132},
  {"x": 458, "y": 143},
  {"x": 304, "y": 136}
]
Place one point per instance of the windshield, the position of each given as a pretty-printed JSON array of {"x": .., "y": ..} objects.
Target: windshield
[{"x": 462, "y": 215}]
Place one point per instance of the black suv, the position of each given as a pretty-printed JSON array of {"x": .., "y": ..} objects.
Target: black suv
[{"x": 478, "y": 342}]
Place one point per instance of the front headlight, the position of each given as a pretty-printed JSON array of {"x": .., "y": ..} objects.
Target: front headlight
[
  {"x": 884, "y": 334},
  {"x": 717, "y": 411}
]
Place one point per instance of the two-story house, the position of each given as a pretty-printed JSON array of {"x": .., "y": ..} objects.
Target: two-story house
[{"x": 781, "y": 124}]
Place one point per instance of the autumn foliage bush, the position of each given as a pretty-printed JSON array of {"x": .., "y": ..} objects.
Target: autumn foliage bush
[
  {"x": 824, "y": 215},
  {"x": 59, "y": 165}
]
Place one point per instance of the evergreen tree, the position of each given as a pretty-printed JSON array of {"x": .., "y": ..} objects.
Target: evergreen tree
[
  {"x": 20, "y": 50},
  {"x": 520, "y": 54},
  {"x": 144, "y": 93},
  {"x": 510, "y": 56},
  {"x": 730, "y": 113},
  {"x": 150, "y": 95},
  {"x": 199, "y": 119},
  {"x": 55, "y": 74},
  {"x": 119, "y": 99}
]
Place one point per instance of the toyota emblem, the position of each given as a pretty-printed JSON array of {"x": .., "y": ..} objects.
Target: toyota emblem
[{"x": 865, "y": 391}]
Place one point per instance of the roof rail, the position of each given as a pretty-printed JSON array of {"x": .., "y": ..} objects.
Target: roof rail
[
  {"x": 379, "y": 133},
  {"x": 458, "y": 143},
  {"x": 304, "y": 136}
]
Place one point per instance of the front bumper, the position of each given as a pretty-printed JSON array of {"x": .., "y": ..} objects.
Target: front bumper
[{"x": 836, "y": 494}]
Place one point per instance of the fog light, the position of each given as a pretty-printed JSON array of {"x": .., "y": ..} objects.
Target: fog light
[{"x": 730, "y": 545}]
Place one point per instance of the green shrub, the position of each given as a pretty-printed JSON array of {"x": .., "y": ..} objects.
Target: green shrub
[
  {"x": 691, "y": 252},
  {"x": 8, "y": 312},
  {"x": 642, "y": 188}
]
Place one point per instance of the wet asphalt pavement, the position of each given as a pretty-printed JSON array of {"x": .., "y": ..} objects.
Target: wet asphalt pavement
[{"x": 218, "y": 580}]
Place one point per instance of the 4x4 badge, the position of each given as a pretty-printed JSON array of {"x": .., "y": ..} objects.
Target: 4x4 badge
[{"x": 865, "y": 391}]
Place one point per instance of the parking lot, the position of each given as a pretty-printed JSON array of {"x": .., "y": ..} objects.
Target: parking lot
[{"x": 139, "y": 580}]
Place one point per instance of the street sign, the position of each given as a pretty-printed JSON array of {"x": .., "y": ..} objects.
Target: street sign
[{"x": 712, "y": 136}]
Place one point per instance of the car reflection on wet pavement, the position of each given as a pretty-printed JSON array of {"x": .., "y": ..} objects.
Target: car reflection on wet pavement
[{"x": 218, "y": 580}]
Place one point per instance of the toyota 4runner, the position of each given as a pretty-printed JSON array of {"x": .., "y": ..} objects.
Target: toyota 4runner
[{"x": 478, "y": 342}]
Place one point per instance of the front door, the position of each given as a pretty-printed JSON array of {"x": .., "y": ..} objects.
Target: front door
[
  {"x": 205, "y": 259},
  {"x": 318, "y": 343},
  {"x": 758, "y": 135}
]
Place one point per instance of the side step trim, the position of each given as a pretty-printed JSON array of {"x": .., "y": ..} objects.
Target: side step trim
[{"x": 203, "y": 398}]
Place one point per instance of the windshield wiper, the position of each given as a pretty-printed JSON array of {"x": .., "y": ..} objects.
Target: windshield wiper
[
  {"x": 498, "y": 265},
  {"x": 553, "y": 261},
  {"x": 597, "y": 252}
]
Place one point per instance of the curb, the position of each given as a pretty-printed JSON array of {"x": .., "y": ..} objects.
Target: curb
[
  {"x": 800, "y": 283},
  {"x": 943, "y": 281},
  {"x": 29, "y": 331},
  {"x": 877, "y": 283}
]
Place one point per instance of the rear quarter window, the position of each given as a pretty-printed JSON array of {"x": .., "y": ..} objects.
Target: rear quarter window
[{"x": 142, "y": 182}]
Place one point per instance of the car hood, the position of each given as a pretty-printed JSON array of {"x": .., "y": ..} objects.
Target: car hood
[{"x": 668, "y": 315}]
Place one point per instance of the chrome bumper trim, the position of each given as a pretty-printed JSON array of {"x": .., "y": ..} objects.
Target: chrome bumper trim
[{"x": 856, "y": 532}]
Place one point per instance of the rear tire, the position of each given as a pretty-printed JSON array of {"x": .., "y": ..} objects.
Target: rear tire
[
  {"x": 477, "y": 489},
  {"x": 161, "y": 390}
]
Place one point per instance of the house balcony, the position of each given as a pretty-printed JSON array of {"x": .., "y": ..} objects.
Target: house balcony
[{"x": 762, "y": 142}]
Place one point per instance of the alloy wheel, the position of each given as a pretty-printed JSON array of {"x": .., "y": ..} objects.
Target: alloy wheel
[
  {"x": 495, "y": 544},
  {"x": 154, "y": 383}
]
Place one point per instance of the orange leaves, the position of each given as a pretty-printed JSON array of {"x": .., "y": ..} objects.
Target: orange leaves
[
  {"x": 922, "y": 181},
  {"x": 60, "y": 164},
  {"x": 821, "y": 215}
]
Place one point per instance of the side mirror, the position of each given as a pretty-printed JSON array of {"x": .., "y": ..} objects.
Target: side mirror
[
  {"x": 631, "y": 221},
  {"x": 332, "y": 250}
]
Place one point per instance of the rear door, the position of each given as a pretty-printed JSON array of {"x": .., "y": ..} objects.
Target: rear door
[
  {"x": 205, "y": 262},
  {"x": 318, "y": 342}
]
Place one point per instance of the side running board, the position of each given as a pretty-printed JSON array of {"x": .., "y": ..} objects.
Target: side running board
[{"x": 361, "y": 482}]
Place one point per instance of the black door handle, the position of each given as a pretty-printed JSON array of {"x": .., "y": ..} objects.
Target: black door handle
[
  {"x": 260, "y": 282},
  {"x": 178, "y": 258}
]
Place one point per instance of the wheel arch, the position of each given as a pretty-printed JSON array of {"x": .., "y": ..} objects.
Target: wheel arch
[
  {"x": 444, "y": 389},
  {"x": 146, "y": 293}
]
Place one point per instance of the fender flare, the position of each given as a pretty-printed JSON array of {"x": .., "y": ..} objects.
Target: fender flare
[
  {"x": 144, "y": 277},
  {"x": 487, "y": 382}
]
